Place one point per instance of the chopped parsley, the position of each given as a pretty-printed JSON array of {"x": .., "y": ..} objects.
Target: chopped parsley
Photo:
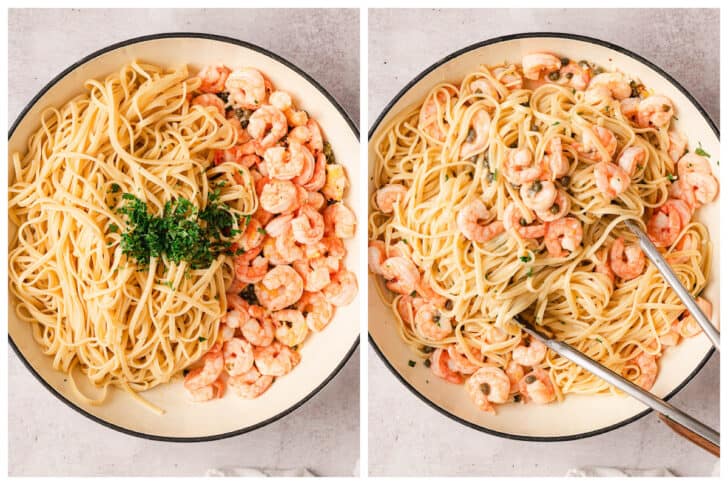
[
  {"x": 329, "y": 153},
  {"x": 182, "y": 233},
  {"x": 261, "y": 230},
  {"x": 115, "y": 188},
  {"x": 201, "y": 339},
  {"x": 113, "y": 228},
  {"x": 671, "y": 177},
  {"x": 529, "y": 273},
  {"x": 525, "y": 258},
  {"x": 248, "y": 294},
  {"x": 556, "y": 123},
  {"x": 701, "y": 152},
  {"x": 411, "y": 363}
]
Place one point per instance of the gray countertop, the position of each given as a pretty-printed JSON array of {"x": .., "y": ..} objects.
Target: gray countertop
[
  {"x": 46, "y": 437},
  {"x": 407, "y": 437}
]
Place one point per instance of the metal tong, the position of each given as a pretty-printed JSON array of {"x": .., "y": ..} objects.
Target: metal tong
[
  {"x": 680, "y": 422},
  {"x": 664, "y": 268}
]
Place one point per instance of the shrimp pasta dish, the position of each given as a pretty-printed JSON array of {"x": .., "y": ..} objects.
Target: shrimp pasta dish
[
  {"x": 505, "y": 194},
  {"x": 172, "y": 224}
]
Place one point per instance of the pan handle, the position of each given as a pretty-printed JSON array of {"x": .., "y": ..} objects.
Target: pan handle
[{"x": 690, "y": 435}]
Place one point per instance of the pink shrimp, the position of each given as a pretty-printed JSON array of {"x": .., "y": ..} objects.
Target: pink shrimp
[
  {"x": 317, "y": 310},
  {"x": 247, "y": 88},
  {"x": 459, "y": 361},
  {"x": 318, "y": 178},
  {"x": 468, "y": 222},
  {"x": 209, "y": 100},
  {"x": 631, "y": 158},
  {"x": 207, "y": 374},
  {"x": 668, "y": 221},
  {"x": 431, "y": 324},
  {"x": 530, "y": 353},
  {"x": 402, "y": 274},
  {"x": 560, "y": 208},
  {"x": 538, "y": 64},
  {"x": 339, "y": 221},
  {"x": 519, "y": 168},
  {"x": 439, "y": 366},
  {"x": 291, "y": 328},
  {"x": 276, "y": 359},
  {"x": 626, "y": 262},
  {"x": 342, "y": 289},
  {"x": 536, "y": 386},
  {"x": 308, "y": 225},
  {"x": 487, "y": 386},
  {"x": 278, "y": 196},
  {"x": 513, "y": 220},
  {"x": 563, "y": 234},
  {"x": 249, "y": 266},
  {"x": 267, "y": 125},
  {"x": 477, "y": 139},
  {"x": 259, "y": 330},
  {"x": 238, "y": 356},
  {"x": 250, "y": 384},
  {"x": 647, "y": 365},
  {"x": 279, "y": 288},
  {"x": 610, "y": 179},
  {"x": 213, "y": 78},
  {"x": 280, "y": 164},
  {"x": 655, "y": 111}
]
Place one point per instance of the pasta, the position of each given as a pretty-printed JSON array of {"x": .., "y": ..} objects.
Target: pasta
[{"x": 504, "y": 195}]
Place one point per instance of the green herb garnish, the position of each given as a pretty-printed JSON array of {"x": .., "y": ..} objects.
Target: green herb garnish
[
  {"x": 115, "y": 188},
  {"x": 329, "y": 153},
  {"x": 113, "y": 228},
  {"x": 671, "y": 177},
  {"x": 525, "y": 258},
  {"x": 701, "y": 152},
  {"x": 201, "y": 339},
  {"x": 411, "y": 363},
  {"x": 182, "y": 232}
]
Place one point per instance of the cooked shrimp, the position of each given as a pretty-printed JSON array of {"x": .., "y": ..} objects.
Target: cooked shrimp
[
  {"x": 563, "y": 234},
  {"x": 302, "y": 157},
  {"x": 209, "y": 100},
  {"x": 336, "y": 182},
  {"x": 703, "y": 187},
  {"x": 317, "y": 311},
  {"x": 539, "y": 196},
  {"x": 430, "y": 324},
  {"x": 574, "y": 76},
  {"x": 459, "y": 361},
  {"x": 601, "y": 264},
  {"x": 259, "y": 330},
  {"x": 249, "y": 266},
  {"x": 205, "y": 393},
  {"x": 513, "y": 220},
  {"x": 342, "y": 289},
  {"x": 508, "y": 76},
  {"x": 484, "y": 86},
  {"x": 689, "y": 242},
  {"x": 278, "y": 196},
  {"x": 291, "y": 329},
  {"x": 287, "y": 248},
  {"x": 247, "y": 88},
  {"x": 655, "y": 111},
  {"x": 536, "y": 386},
  {"x": 515, "y": 373},
  {"x": 529, "y": 353},
  {"x": 678, "y": 145},
  {"x": 252, "y": 236},
  {"x": 627, "y": 262},
  {"x": 518, "y": 167},
  {"x": 278, "y": 225},
  {"x": 314, "y": 278},
  {"x": 611, "y": 180},
  {"x": 692, "y": 162},
  {"x": 629, "y": 108},
  {"x": 279, "y": 288},
  {"x": 388, "y": 195},
  {"x": 318, "y": 178},
  {"x": 267, "y": 125},
  {"x": 430, "y": 295},
  {"x": 609, "y": 85},
  {"x": 431, "y": 120},
  {"x": 207, "y": 374},
  {"x": 213, "y": 78},
  {"x": 439, "y": 366},
  {"x": 488, "y": 385},
  {"x": 276, "y": 359},
  {"x": 251, "y": 384},
  {"x": 593, "y": 140},
  {"x": 647, "y": 365},
  {"x": 339, "y": 221},
  {"x": 407, "y": 307},
  {"x": 299, "y": 134},
  {"x": 558, "y": 165},
  {"x": 480, "y": 130},
  {"x": 402, "y": 274},
  {"x": 308, "y": 226},
  {"x": 630, "y": 158},
  {"x": 667, "y": 222},
  {"x": 281, "y": 165},
  {"x": 538, "y": 64},
  {"x": 559, "y": 209},
  {"x": 238, "y": 356},
  {"x": 687, "y": 326},
  {"x": 377, "y": 255},
  {"x": 316, "y": 142},
  {"x": 468, "y": 222}
]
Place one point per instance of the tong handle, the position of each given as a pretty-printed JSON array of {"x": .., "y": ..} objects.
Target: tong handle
[{"x": 691, "y": 435}]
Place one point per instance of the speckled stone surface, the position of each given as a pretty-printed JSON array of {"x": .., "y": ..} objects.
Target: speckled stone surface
[
  {"x": 406, "y": 437},
  {"x": 48, "y": 438}
]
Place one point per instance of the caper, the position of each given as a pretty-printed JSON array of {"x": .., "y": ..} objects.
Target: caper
[
  {"x": 569, "y": 75},
  {"x": 584, "y": 65},
  {"x": 485, "y": 388},
  {"x": 471, "y": 136},
  {"x": 523, "y": 221},
  {"x": 536, "y": 187},
  {"x": 564, "y": 61},
  {"x": 490, "y": 177},
  {"x": 448, "y": 305},
  {"x": 565, "y": 180},
  {"x": 665, "y": 107},
  {"x": 530, "y": 379},
  {"x": 555, "y": 209},
  {"x": 554, "y": 76}
]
